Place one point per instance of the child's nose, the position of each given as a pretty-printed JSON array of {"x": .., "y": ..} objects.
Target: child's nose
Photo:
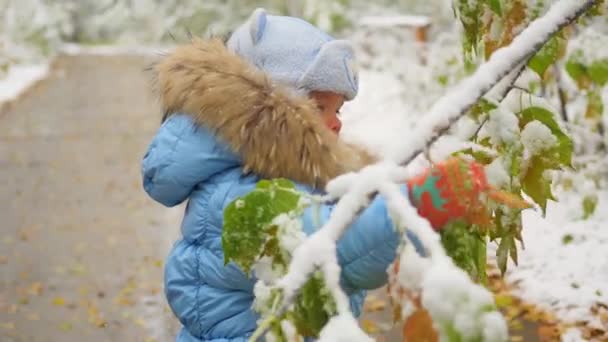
[{"x": 335, "y": 124}]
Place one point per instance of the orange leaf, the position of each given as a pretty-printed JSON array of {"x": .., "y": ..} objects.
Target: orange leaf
[
  {"x": 508, "y": 199},
  {"x": 419, "y": 328}
]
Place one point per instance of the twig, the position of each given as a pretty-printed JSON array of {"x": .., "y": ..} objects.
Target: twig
[{"x": 561, "y": 94}]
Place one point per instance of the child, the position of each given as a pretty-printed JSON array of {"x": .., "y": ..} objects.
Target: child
[{"x": 265, "y": 105}]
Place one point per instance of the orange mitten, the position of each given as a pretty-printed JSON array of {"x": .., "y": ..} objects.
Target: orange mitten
[{"x": 452, "y": 190}]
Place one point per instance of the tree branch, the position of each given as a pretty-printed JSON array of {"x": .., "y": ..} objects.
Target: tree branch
[{"x": 456, "y": 104}]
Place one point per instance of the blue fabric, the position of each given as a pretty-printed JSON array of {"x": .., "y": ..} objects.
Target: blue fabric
[
  {"x": 211, "y": 300},
  {"x": 297, "y": 54}
]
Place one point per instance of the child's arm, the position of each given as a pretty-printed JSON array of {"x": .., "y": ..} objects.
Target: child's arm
[{"x": 444, "y": 193}]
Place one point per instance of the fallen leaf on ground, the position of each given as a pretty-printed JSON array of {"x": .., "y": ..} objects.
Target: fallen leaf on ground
[
  {"x": 373, "y": 305},
  {"x": 35, "y": 289},
  {"x": 369, "y": 326},
  {"x": 65, "y": 326},
  {"x": 58, "y": 301}
]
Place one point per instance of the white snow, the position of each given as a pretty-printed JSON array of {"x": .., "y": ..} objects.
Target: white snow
[
  {"x": 536, "y": 137},
  {"x": 496, "y": 173},
  {"x": 502, "y": 126},
  {"x": 265, "y": 271},
  {"x": 518, "y": 100},
  {"x": 112, "y": 50},
  {"x": 395, "y": 20},
  {"x": 566, "y": 278},
  {"x": 572, "y": 335},
  {"x": 262, "y": 293},
  {"x": 343, "y": 328},
  {"x": 19, "y": 78},
  {"x": 290, "y": 231}
]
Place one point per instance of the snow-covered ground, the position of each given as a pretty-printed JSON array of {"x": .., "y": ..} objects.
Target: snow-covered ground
[
  {"x": 564, "y": 266},
  {"x": 19, "y": 78}
]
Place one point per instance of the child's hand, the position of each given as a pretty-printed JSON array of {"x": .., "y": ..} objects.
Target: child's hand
[{"x": 456, "y": 189}]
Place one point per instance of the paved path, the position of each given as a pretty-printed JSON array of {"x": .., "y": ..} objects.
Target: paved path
[{"x": 81, "y": 245}]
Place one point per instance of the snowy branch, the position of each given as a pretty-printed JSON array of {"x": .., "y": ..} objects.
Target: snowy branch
[{"x": 456, "y": 104}]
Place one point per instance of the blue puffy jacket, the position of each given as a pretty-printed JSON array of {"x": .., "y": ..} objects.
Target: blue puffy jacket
[{"x": 215, "y": 144}]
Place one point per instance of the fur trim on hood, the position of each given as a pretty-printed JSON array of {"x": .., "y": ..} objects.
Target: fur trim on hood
[{"x": 276, "y": 133}]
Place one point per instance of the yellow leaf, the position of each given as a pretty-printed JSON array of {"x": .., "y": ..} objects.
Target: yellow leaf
[
  {"x": 8, "y": 325},
  {"x": 66, "y": 326},
  {"x": 78, "y": 269},
  {"x": 139, "y": 321},
  {"x": 503, "y": 301},
  {"x": 58, "y": 301},
  {"x": 369, "y": 326}
]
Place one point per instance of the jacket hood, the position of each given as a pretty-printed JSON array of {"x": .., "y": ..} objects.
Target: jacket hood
[{"x": 275, "y": 132}]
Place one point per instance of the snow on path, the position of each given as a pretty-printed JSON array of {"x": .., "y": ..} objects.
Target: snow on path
[{"x": 19, "y": 78}]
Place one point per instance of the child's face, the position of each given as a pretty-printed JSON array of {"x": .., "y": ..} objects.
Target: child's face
[{"x": 329, "y": 105}]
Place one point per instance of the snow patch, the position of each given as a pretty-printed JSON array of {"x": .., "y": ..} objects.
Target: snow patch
[
  {"x": 565, "y": 276},
  {"x": 497, "y": 174},
  {"x": 112, "y": 50},
  {"x": 536, "y": 137},
  {"x": 20, "y": 78},
  {"x": 343, "y": 328}
]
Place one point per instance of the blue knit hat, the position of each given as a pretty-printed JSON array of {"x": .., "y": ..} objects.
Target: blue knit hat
[{"x": 297, "y": 54}]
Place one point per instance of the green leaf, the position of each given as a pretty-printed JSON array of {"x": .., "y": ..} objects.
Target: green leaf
[
  {"x": 534, "y": 183},
  {"x": 495, "y": 6},
  {"x": 483, "y": 106},
  {"x": 470, "y": 14},
  {"x": 247, "y": 219},
  {"x": 338, "y": 22},
  {"x": 277, "y": 332},
  {"x": 589, "y": 206},
  {"x": 561, "y": 153},
  {"x": 595, "y": 105},
  {"x": 480, "y": 156},
  {"x": 577, "y": 69},
  {"x": 451, "y": 332},
  {"x": 313, "y": 307},
  {"x": 545, "y": 57},
  {"x": 567, "y": 239},
  {"x": 466, "y": 248},
  {"x": 598, "y": 71},
  {"x": 506, "y": 244}
]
